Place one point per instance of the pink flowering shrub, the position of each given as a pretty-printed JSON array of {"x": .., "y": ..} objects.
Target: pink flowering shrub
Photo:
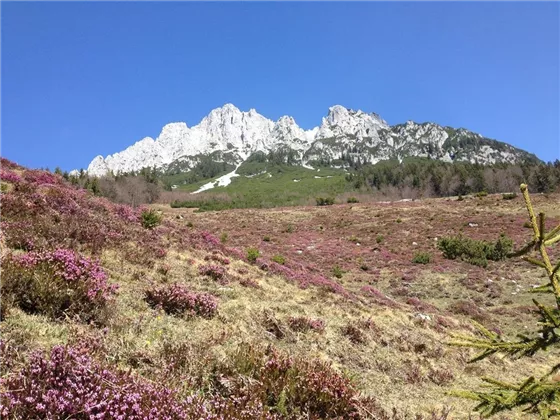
[
  {"x": 9, "y": 176},
  {"x": 215, "y": 256},
  {"x": 216, "y": 272},
  {"x": 179, "y": 300},
  {"x": 5, "y": 163},
  {"x": 305, "y": 278},
  {"x": 291, "y": 386},
  {"x": 44, "y": 212},
  {"x": 69, "y": 384},
  {"x": 378, "y": 297},
  {"x": 57, "y": 284},
  {"x": 127, "y": 213},
  {"x": 304, "y": 324},
  {"x": 249, "y": 283},
  {"x": 41, "y": 177},
  {"x": 206, "y": 240}
]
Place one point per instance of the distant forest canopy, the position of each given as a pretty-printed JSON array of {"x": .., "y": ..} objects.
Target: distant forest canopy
[
  {"x": 434, "y": 178},
  {"x": 411, "y": 178}
]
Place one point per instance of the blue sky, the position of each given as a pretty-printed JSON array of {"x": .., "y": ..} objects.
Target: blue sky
[{"x": 83, "y": 79}]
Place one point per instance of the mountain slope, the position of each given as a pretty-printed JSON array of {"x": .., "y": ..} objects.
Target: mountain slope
[{"x": 235, "y": 135}]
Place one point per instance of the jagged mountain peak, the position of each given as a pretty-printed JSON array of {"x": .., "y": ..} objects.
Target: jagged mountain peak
[{"x": 342, "y": 132}]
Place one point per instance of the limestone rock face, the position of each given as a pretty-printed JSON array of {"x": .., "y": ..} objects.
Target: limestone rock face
[{"x": 236, "y": 134}]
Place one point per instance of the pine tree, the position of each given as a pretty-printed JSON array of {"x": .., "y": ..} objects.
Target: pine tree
[{"x": 537, "y": 395}]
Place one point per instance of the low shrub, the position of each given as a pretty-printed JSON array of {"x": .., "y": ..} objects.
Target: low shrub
[
  {"x": 509, "y": 196},
  {"x": 324, "y": 201},
  {"x": 470, "y": 309},
  {"x": 289, "y": 387},
  {"x": 280, "y": 259},
  {"x": 216, "y": 272},
  {"x": 4, "y": 310},
  {"x": 69, "y": 384},
  {"x": 304, "y": 324},
  {"x": 9, "y": 176},
  {"x": 421, "y": 258},
  {"x": 475, "y": 251},
  {"x": 352, "y": 200},
  {"x": 441, "y": 376},
  {"x": 224, "y": 237},
  {"x": 216, "y": 256},
  {"x": 289, "y": 229},
  {"x": 379, "y": 239},
  {"x": 354, "y": 334},
  {"x": 337, "y": 272},
  {"x": 253, "y": 254},
  {"x": 481, "y": 194},
  {"x": 56, "y": 284},
  {"x": 150, "y": 218},
  {"x": 179, "y": 300}
]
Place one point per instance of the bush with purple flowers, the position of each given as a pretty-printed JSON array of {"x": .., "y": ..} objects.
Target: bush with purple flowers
[
  {"x": 176, "y": 299},
  {"x": 9, "y": 176},
  {"x": 56, "y": 284},
  {"x": 69, "y": 384},
  {"x": 216, "y": 272},
  {"x": 216, "y": 256},
  {"x": 290, "y": 387},
  {"x": 41, "y": 177}
]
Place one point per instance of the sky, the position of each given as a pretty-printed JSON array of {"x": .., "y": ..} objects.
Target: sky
[{"x": 81, "y": 79}]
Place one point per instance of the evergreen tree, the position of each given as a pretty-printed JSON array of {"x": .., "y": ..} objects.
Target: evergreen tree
[{"x": 537, "y": 395}]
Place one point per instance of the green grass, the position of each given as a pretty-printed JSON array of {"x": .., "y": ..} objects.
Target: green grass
[{"x": 274, "y": 188}]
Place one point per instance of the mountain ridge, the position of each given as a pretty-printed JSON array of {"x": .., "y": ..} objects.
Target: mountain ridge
[{"x": 358, "y": 135}]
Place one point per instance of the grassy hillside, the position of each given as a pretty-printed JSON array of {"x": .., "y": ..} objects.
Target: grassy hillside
[
  {"x": 261, "y": 185},
  {"x": 264, "y": 183},
  {"x": 302, "y": 312}
]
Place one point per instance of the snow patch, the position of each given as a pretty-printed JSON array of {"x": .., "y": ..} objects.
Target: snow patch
[{"x": 222, "y": 181}]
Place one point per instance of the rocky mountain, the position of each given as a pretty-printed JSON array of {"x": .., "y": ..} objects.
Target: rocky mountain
[{"x": 344, "y": 135}]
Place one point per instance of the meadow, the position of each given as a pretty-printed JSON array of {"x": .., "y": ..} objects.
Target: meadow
[{"x": 342, "y": 311}]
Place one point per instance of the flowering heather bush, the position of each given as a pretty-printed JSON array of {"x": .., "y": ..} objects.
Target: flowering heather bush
[
  {"x": 206, "y": 240},
  {"x": 5, "y": 163},
  {"x": 304, "y": 324},
  {"x": 9, "y": 176},
  {"x": 236, "y": 253},
  {"x": 304, "y": 278},
  {"x": 216, "y": 272},
  {"x": 41, "y": 177},
  {"x": 43, "y": 211},
  {"x": 378, "y": 297},
  {"x": 421, "y": 306},
  {"x": 69, "y": 384},
  {"x": 178, "y": 300},
  {"x": 217, "y": 257},
  {"x": 127, "y": 213},
  {"x": 249, "y": 283},
  {"x": 470, "y": 309},
  {"x": 56, "y": 284},
  {"x": 293, "y": 388}
]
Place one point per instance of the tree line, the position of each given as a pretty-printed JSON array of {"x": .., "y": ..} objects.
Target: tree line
[{"x": 434, "y": 178}]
